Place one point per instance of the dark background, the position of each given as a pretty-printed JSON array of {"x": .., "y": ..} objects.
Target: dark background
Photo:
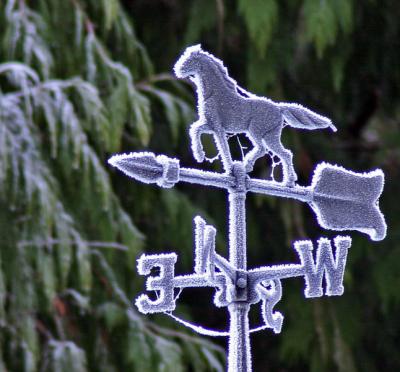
[{"x": 81, "y": 80}]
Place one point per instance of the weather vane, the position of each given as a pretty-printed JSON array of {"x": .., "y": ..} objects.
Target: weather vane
[{"x": 341, "y": 200}]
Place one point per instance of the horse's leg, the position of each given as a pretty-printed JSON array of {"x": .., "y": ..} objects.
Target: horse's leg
[
  {"x": 195, "y": 132},
  {"x": 257, "y": 152},
  {"x": 273, "y": 142},
  {"x": 223, "y": 149}
]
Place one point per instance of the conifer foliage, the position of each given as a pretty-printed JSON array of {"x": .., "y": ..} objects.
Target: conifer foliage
[{"x": 67, "y": 245}]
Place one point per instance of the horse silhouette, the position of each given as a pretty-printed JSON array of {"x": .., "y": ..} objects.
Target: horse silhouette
[{"x": 224, "y": 107}]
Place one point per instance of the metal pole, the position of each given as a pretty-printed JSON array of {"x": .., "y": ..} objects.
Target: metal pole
[{"x": 239, "y": 359}]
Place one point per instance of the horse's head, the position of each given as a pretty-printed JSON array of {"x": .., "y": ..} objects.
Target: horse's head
[
  {"x": 196, "y": 63},
  {"x": 189, "y": 64}
]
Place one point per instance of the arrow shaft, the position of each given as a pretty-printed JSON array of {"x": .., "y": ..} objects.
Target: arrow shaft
[
  {"x": 223, "y": 181},
  {"x": 336, "y": 195},
  {"x": 272, "y": 188},
  {"x": 200, "y": 177}
]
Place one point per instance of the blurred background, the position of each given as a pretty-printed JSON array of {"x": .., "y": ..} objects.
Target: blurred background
[{"x": 81, "y": 80}]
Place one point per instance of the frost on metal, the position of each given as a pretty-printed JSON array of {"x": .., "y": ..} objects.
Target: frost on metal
[
  {"x": 337, "y": 188},
  {"x": 163, "y": 283},
  {"x": 341, "y": 199},
  {"x": 224, "y": 107},
  {"x": 264, "y": 283},
  {"x": 325, "y": 265},
  {"x": 148, "y": 168}
]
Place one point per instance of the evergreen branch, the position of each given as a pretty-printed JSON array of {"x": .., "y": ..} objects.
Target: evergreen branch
[
  {"x": 152, "y": 79},
  {"x": 53, "y": 242}
]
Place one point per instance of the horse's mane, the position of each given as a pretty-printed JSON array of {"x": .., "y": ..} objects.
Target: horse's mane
[
  {"x": 220, "y": 69},
  {"x": 215, "y": 64}
]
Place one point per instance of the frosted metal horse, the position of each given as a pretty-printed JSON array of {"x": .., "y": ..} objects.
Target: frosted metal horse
[{"x": 224, "y": 108}]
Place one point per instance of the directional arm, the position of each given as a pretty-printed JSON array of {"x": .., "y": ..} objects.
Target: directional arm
[
  {"x": 324, "y": 264},
  {"x": 341, "y": 199}
]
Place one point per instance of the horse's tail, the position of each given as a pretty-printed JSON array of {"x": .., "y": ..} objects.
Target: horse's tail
[{"x": 298, "y": 116}]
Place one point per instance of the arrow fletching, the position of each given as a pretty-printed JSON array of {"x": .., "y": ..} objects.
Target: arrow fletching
[
  {"x": 346, "y": 200},
  {"x": 148, "y": 168}
]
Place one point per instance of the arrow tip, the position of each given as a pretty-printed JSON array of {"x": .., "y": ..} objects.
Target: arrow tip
[
  {"x": 148, "y": 168},
  {"x": 114, "y": 160},
  {"x": 142, "y": 166}
]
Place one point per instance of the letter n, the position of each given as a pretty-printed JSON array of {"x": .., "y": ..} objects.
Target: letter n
[{"x": 326, "y": 265}]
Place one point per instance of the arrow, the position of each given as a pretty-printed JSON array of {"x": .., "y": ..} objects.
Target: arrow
[
  {"x": 341, "y": 199},
  {"x": 346, "y": 200},
  {"x": 147, "y": 168}
]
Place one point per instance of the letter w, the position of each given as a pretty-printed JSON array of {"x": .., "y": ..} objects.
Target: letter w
[{"x": 325, "y": 265}]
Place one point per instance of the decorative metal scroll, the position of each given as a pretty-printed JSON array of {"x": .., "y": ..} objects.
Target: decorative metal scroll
[{"x": 341, "y": 200}]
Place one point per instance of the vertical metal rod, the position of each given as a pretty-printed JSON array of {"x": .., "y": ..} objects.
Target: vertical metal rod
[{"x": 239, "y": 359}]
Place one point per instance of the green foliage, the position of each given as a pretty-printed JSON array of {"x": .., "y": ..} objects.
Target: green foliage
[
  {"x": 67, "y": 259},
  {"x": 64, "y": 356},
  {"x": 324, "y": 19},
  {"x": 197, "y": 25},
  {"x": 260, "y": 17}
]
